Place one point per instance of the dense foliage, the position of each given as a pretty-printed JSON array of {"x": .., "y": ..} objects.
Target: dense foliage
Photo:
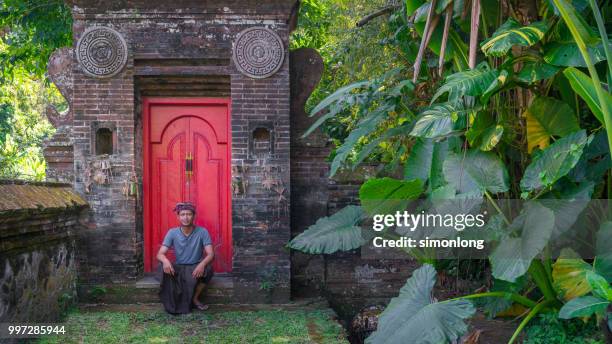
[
  {"x": 523, "y": 111},
  {"x": 23, "y": 126},
  {"x": 29, "y": 32}
]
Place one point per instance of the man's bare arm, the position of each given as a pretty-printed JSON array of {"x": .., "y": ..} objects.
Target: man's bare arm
[
  {"x": 161, "y": 256},
  {"x": 210, "y": 255}
]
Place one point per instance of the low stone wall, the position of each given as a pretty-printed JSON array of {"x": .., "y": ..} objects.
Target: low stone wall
[{"x": 38, "y": 266}]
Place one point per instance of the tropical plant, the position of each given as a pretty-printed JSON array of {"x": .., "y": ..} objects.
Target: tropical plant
[
  {"x": 23, "y": 126},
  {"x": 496, "y": 120},
  {"x": 30, "y": 31}
]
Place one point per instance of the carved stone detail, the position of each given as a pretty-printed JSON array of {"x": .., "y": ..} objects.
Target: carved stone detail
[
  {"x": 101, "y": 52},
  {"x": 258, "y": 52},
  {"x": 59, "y": 70}
]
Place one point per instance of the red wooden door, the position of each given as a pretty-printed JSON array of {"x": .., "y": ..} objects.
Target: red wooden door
[{"x": 186, "y": 158}]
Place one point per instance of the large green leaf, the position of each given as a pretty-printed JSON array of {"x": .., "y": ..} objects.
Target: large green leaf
[
  {"x": 387, "y": 195},
  {"x": 425, "y": 162},
  {"x": 484, "y": 133},
  {"x": 603, "y": 260},
  {"x": 413, "y": 317},
  {"x": 498, "y": 84},
  {"x": 513, "y": 256},
  {"x": 567, "y": 54},
  {"x": 599, "y": 285},
  {"x": 584, "y": 86},
  {"x": 512, "y": 33},
  {"x": 439, "y": 120},
  {"x": 548, "y": 117},
  {"x": 554, "y": 162},
  {"x": 477, "y": 172},
  {"x": 339, "y": 232},
  {"x": 568, "y": 207},
  {"x": 472, "y": 82},
  {"x": 563, "y": 50},
  {"x": 595, "y": 160},
  {"x": 582, "y": 307},
  {"x": 569, "y": 275},
  {"x": 418, "y": 164},
  {"x": 536, "y": 71}
]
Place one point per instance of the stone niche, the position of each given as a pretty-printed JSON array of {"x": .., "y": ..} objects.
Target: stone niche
[{"x": 126, "y": 50}]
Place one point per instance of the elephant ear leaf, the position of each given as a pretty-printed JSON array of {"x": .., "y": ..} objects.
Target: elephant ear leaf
[
  {"x": 425, "y": 162},
  {"x": 511, "y": 259},
  {"x": 511, "y": 33},
  {"x": 583, "y": 306},
  {"x": 387, "y": 195},
  {"x": 536, "y": 71},
  {"x": 413, "y": 317},
  {"x": 548, "y": 117},
  {"x": 554, "y": 162},
  {"x": 477, "y": 172},
  {"x": 569, "y": 275},
  {"x": 338, "y": 232}
]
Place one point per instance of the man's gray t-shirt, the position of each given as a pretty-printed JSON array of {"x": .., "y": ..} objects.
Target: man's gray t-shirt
[{"x": 188, "y": 249}]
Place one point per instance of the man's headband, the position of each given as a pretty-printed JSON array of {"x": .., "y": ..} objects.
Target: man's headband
[{"x": 184, "y": 206}]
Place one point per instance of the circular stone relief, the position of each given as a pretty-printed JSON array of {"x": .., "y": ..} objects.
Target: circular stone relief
[
  {"x": 101, "y": 52},
  {"x": 258, "y": 52}
]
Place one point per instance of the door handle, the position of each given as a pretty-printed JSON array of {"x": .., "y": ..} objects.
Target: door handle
[{"x": 189, "y": 165}]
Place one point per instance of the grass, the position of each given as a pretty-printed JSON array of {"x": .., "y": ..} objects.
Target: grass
[{"x": 295, "y": 326}]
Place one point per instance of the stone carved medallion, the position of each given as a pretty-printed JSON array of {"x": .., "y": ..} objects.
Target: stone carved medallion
[
  {"x": 101, "y": 52},
  {"x": 258, "y": 52}
]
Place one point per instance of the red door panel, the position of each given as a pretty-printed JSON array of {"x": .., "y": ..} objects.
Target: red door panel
[
  {"x": 175, "y": 129},
  {"x": 208, "y": 173}
]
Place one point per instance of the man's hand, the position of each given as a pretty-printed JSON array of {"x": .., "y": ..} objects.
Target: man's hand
[
  {"x": 168, "y": 268},
  {"x": 198, "y": 271},
  {"x": 161, "y": 256}
]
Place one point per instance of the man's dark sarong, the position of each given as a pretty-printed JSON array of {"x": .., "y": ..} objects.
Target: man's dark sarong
[{"x": 176, "y": 292}]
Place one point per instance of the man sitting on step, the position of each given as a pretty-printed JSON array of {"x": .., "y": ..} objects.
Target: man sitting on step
[{"x": 184, "y": 281}]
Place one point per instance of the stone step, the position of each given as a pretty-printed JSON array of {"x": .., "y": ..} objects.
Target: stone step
[{"x": 220, "y": 290}]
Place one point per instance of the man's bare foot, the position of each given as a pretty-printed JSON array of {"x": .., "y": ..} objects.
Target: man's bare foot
[{"x": 200, "y": 305}]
